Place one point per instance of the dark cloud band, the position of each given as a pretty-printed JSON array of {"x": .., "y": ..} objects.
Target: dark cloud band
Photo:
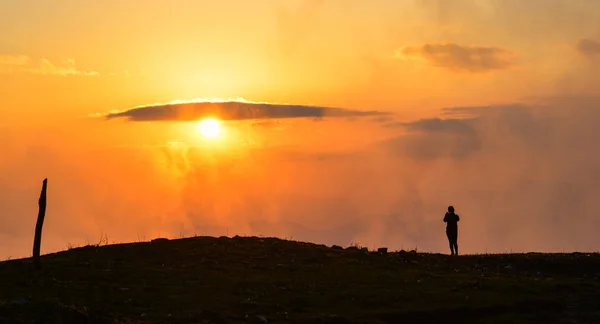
[{"x": 233, "y": 110}]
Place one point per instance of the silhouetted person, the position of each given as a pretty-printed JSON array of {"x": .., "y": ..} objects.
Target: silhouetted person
[{"x": 451, "y": 219}]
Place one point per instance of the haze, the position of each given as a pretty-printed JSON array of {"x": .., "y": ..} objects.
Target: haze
[{"x": 488, "y": 105}]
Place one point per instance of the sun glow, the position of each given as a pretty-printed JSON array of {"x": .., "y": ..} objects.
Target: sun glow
[{"x": 209, "y": 127}]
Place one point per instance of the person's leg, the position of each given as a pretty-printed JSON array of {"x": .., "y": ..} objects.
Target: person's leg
[
  {"x": 456, "y": 242},
  {"x": 452, "y": 237},
  {"x": 450, "y": 243}
]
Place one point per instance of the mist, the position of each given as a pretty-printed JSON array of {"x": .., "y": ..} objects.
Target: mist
[{"x": 523, "y": 177}]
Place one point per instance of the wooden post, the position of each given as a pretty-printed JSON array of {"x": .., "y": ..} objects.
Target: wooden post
[{"x": 37, "y": 241}]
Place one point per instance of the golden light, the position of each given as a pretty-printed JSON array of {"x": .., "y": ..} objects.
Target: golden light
[{"x": 209, "y": 127}]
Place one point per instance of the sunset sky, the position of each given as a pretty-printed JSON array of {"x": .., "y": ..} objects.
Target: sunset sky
[{"x": 340, "y": 122}]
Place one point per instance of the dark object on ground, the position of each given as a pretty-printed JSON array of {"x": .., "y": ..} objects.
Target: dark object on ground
[
  {"x": 37, "y": 241},
  {"x": 382, "y": 250},
  {"x": 245, "y": 280},
  {"x": 160, "y": 239}
]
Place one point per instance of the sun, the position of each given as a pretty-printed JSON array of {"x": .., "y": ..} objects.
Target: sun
[{"x": 209, "y": 127}]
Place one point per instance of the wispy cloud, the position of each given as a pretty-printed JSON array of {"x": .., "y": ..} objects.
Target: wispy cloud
[
  {"x": 238, "y": 109},
  {"x": 588, "y": 47},
  {"x": 26, "y": 64},
  {"x": 434, "y": 138},
  {"x": 458, "y": 126},
  {"x": 474, "y": 59}
]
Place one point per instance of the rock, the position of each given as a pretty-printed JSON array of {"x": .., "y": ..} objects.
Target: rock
[
  {"x": 337, "y": 247},
  {"x": 382, "y": 250},
  {"x": 352, "y": 248},
  {"x": 364, "y": 249},
  {"x": 160, "y": 239}
]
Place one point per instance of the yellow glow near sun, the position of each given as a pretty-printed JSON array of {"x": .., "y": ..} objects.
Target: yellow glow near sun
[{"x": 209, "y": 127}]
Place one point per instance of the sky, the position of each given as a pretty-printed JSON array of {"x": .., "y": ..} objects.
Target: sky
[{"x": 342, "y": 122}]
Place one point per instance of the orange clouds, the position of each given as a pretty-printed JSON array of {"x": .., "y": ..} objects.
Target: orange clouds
[
  {"x": 379, "y": 179},
  {"x": 23, "y": 63},
  {"x": 474, "y": 59},
  {"x": 524, "y": 177},
  {"x": 588, "y": 47}
]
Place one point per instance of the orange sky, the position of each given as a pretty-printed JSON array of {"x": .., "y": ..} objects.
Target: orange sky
[{"x": 527, "y": 72}]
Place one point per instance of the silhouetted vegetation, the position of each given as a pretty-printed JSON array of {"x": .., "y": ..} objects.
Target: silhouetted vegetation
[{"x": 266, "y": 280}]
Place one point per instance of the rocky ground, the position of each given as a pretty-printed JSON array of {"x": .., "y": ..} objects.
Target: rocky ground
[{"x": 267, "y": 280}]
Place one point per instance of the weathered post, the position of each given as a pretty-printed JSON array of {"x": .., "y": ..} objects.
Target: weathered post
[{"x": 37, "y": 241}]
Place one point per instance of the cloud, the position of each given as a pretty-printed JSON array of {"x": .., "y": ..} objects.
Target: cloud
[
  {"x": 588, "y": 47},
  {"x": 524, "y": 173},
  {"x": 232, "y": 110},
  {"x": 474, "y": 59},
  {"x": 465, "y": 130},
  {"x": 67, "y": 68},
  {"x": 524, "y": 177},
  {"x": 458, "y": 126},
  {"x": 23, "y": 63},
  {"x": 434, "y": 138}
]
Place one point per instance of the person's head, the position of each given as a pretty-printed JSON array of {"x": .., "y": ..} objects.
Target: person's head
[{"x": 451, "y": 209}]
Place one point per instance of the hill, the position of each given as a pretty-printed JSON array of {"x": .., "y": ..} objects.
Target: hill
[{"x": 267, "y": 280}]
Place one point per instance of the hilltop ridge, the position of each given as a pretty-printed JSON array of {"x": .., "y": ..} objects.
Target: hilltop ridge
[{"x": 269, "y": 280}]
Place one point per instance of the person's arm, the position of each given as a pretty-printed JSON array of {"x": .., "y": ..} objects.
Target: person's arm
[
  {"x": 457, "y": 218},
  {"x": 446, "y": 218}
]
